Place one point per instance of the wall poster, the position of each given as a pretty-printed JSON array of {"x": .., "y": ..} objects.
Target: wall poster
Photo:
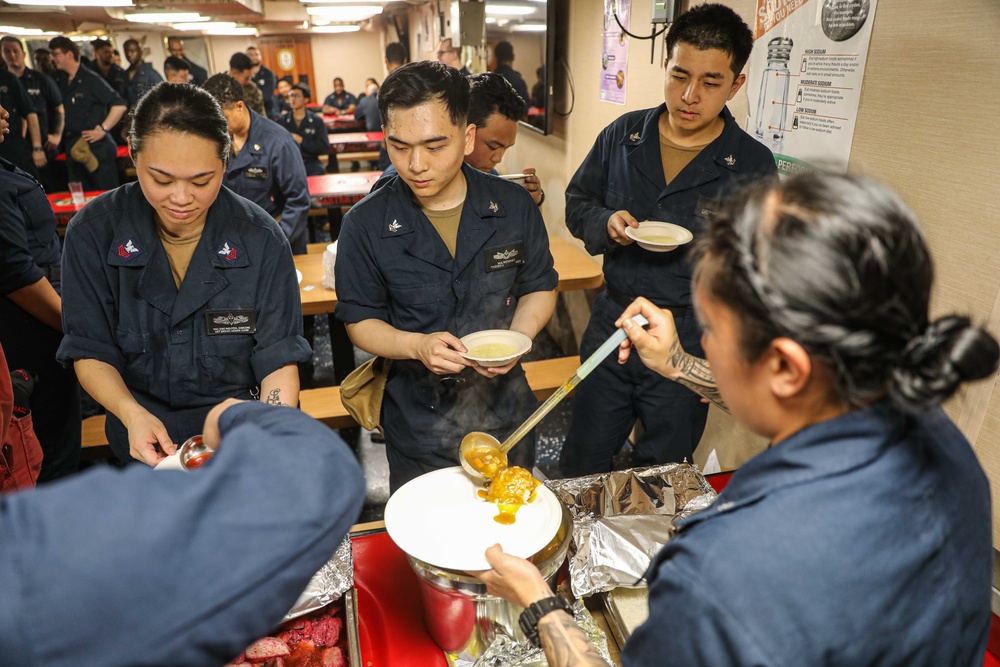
[
  {"x": 614, "y": 53},
  {"x": 806, "y": 72}
]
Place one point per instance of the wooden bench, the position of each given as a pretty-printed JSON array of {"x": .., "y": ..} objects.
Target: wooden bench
[
  {"x": 324, "y": 403},
  {"x": 357, "y": 156}
]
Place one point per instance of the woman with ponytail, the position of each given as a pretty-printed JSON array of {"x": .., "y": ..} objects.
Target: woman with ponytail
[{"x": 862, "y": 535}]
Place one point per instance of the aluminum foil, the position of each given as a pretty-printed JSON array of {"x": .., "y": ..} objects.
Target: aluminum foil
[
  {"x": 332, "y": 581},
  {"x": 622, "y": 519},
  {"x": 508, "y": 652}
]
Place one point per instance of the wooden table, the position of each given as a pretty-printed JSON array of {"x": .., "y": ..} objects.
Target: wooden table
[
  {"x": 340, "y": 189},
  {"x": 577, "y": 270},
  {"x": 63, "y": 206},
  {"x": 343, "y": 123}
]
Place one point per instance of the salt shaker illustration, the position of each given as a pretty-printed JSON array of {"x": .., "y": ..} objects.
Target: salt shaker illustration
[{"x": 774, "y": 93}]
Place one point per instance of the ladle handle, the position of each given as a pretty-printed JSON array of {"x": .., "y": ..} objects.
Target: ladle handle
[{"x": 583, "y": 371}]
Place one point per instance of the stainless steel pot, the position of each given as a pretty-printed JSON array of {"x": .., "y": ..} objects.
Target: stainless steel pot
[{"x": 462, "y": 617}]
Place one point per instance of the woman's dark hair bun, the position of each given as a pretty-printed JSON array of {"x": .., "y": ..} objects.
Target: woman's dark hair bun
[{"x": 932, "y": 366}]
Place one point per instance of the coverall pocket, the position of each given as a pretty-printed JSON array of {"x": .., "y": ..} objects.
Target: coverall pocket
[
  {"x": 138, "y": 364},
  {"x": 226, "y": 361},
  {"x": 418, "y": 303},
  {"x": 496, "y": 284}
]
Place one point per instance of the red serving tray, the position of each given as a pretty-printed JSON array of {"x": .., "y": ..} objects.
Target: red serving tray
[{"x": 391, "y": 630}]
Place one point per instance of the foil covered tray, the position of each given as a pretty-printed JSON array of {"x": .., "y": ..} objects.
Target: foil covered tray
[
  {"x": 622, "y": 519},
  {"x": 332, "y": 580}
]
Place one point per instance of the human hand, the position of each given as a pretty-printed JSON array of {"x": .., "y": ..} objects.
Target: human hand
[
  {"x": 658, "y": 344},
  {"x": 52, "y": 143},
  {"x": 617, "y": 223},
  {"x": 145, "y": 432},
  {"x": 439, "y": 352},
  {"x": 4, "y": 125},
  {"x": 93, "y": 135},
  {"x": 297, "y": 137},
  {"x": 533, "y": 185},
  {"x": 38, "y": 157},
  {"x": 210, "y": 433},
  {"x": 513, "y": 579}
]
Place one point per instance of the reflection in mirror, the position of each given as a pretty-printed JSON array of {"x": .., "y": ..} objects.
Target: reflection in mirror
[{"x": 521, "y": 47}]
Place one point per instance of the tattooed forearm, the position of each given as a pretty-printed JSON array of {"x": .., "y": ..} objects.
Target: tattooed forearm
[
  {"x": 274, "y": 398},
  {"x": 696, "y": 375},
  {"x": 565, "y": 643}
]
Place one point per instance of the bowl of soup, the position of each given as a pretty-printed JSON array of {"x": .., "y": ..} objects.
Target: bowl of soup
[
  {"x": 658, "y": 236},
  {"x": 495, "y": 347}
]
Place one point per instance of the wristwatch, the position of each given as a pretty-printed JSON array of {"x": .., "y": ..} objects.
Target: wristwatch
[
  {"x": 37, "y": 149},
  {"x": 533, "y": 614},
  {"x": 101, "y": 125}
]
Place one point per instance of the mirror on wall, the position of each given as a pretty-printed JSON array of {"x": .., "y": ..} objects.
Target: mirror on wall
[{"x": 525, "y": 30}]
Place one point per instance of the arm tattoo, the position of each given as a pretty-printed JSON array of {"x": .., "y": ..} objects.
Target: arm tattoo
[
  {"x": 565, "y": 643},
  {"x": 274, "y": 398},
  {"x": 696, "y": 375}
]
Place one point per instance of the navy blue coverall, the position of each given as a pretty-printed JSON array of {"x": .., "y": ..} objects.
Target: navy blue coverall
[
  {"x": 87, "y": 99},
  {"x": 862, "y": 540},
  {"x": 624, "y": 171},
  {"x": 29, "y": 251},
  {"x": 144, "y": 78},
  {"x": 392, "y": 265},
  {"x": 121, "y": 306},
  {"x": 269, "y": 172},
  {"x": 315, "y": 140},
  {"x": 167, "y": 567}
]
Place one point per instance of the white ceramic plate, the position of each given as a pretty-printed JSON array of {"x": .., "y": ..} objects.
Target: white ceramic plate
[
  {"x": 513, "y": 340},
  {"x": 439, "y": 518},
  {"x": 298, "y": 274},
  {"x": 650, "y": 235},
  {"x": 172, "y": 462}
]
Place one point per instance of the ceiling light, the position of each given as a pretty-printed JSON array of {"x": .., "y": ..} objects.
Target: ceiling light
[
  {"x": 207, "y": 25},
  {"x": 341, "y": 2},
  {"x": 509, "y": 10},
  {"x": 345, "y": 13},
  {"x": 528, "y": 27},
  {"x": 336, "y": 28},
  {"x": 490, "y": 19},
  {"x": 166, "y": 17},
  {"x": 240, "y": 30},
  {"x": 73, "y": 3},
  {"x": 28, "y": 32}
]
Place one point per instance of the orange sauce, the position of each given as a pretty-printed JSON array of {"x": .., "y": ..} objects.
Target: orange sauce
[
  {"x": 486, "y": 460},
  {"x": 509, "y": 489}
]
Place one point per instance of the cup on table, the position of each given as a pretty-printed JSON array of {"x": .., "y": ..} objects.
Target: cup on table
[{"x": 76, "y": 192}]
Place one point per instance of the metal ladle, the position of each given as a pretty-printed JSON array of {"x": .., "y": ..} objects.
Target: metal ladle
[{"x": 491, "y": 455}]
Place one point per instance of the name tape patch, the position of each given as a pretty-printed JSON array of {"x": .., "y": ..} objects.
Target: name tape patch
[
  {"x": 222, "y": 322},
  {"x": 503, "y": 257}
]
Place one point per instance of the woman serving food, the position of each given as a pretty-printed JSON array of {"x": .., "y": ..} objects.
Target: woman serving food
[
  {"x": 862, "y": 535},
  {"x": 178, "y": 293}
]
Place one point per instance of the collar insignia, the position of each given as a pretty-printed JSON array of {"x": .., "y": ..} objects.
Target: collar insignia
[
  {"x": 494, "y": 207},
  {"x": 128, "y": 250},
  {"x": 730, "y": 160},
  {"x": 229, "y": 251},
  {"x": 395, "y": 226},
  {"x": 635, "y": 136},
  {"x": 256, "y": 147}
]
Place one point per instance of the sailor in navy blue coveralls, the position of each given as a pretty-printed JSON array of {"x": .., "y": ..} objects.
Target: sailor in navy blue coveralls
[
  {"x": 315, "y": 140},
  {"x": 29, "y": 252},
  {"x": 393, "y": 266},
  {"x": 180, "y": 568},
  {"x": 269, "y": 172},
  {"x": 87, "y": 99},
  {"x": 624, "y": 171},
  {"x": 235, "y": 320}
]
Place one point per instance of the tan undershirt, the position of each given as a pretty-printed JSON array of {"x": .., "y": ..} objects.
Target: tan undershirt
[
  {"x": 675, "y": 157},
  {"x": 179, "y": 251},
  {"x": 446, "y": 224}
]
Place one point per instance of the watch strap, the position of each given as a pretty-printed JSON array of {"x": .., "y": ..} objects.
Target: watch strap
[{"x": 530, "y": 617}]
